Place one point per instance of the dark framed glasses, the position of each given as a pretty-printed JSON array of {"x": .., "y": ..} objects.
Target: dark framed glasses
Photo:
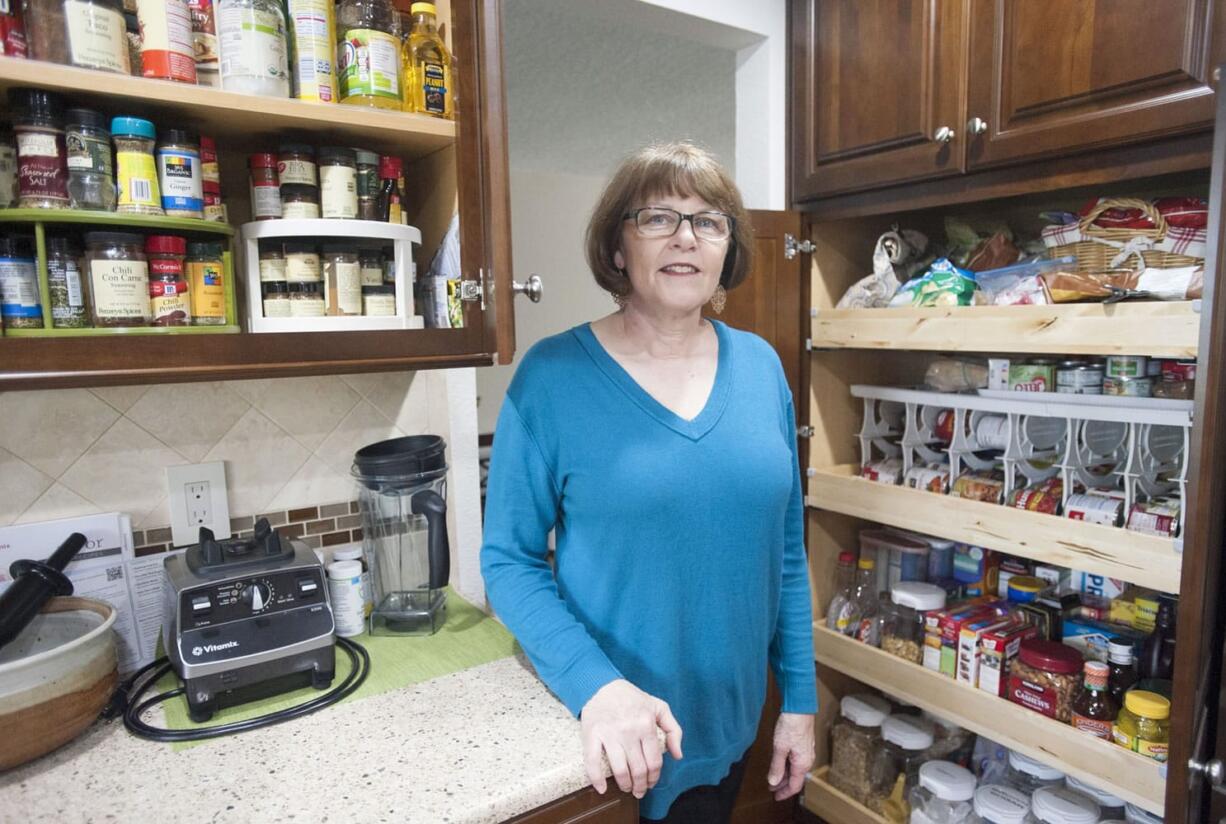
[{"x": 654, "y": 221}]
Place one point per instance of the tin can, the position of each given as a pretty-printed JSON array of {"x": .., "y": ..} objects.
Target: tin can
[
  {"x": 886, "y": 471},
  {"x": 980, "y": 485},
  {"x": 1127, "y": 366},
  {"x": 1080, "y": 378},
  {"x": 1094, "y": 509},
  {"x": 931, "y": 478},
  {"x": 1036, "y": 376},
  {"x": 1157, "y": 517},
  {"x": 998, "y": 374},
  {"x": 943, "y": 427},
  {"x": 1174, "y": 371},
  {"x": 1129, "y": 387},
  {"x": 1043, "y": 496},
  {"x": 992, "y": 431}
]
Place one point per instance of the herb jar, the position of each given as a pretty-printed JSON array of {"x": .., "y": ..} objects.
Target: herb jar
[
  {"x": 272, "y": 264},
  {"x": 214, "y": 209},
  {"x": 855, "y": 746},
  {"x": 139, "y": 193},
  {"x": 379, "y": 301},
  {"x": 1144, "y": 725},
  {"x": 302, "y": 262},
  {"x": 91, "y": 168},
  {"x": 944, "y": 793},
  {"x": 20, "y": 302},
  {"x": 338, "y": 189},
  {"x": 1026, "y": 774},
  {"x": 1060, "y": 805},
  {"x": 342, "y": 279},
  {"x": 1045, "y": 677},
  {"x": 118, "y": 279},
  {"x": 168, "y": 292},
  {"x": 179, "y": 174},
  {"x": 42, "y": 163},
  {"x": 276, "y": 299},
  {"x": 206, "y": 283},
  {"x": 902, "y": 623},
  {"x": 1001, "y": 804},
  {"x": 265, "y": 186},
  {"x": 69, "y": 308},
  {"x": 306, "y": 300},
  {"x": 299, "y": 201},
  {"x": 296, "y": 165},
  {"x": 371, "y": 261},
  {"x": 368, "y": 184}
]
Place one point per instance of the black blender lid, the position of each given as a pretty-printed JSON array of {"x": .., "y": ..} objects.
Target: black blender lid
[{"x": 412, "y": 455}]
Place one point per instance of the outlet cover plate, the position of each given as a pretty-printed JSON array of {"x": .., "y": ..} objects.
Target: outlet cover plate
[{"x": 184, "y": 530}]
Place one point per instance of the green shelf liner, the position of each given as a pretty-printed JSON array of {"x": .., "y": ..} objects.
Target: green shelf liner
[
  {"x": 115, "y": 219},
  {"x": 103, "y": 332}
]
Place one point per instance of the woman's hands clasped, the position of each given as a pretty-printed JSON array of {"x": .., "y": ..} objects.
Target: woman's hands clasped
[
  {"x": 793, "y": 754},
  {"x": 621, "y": 720}
]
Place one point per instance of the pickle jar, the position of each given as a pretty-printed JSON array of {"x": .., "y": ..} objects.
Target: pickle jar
[
  {"x": 1144, "y": 725},
  {"x": 902, "y": 623},
  {"x": 856, "y": 768}
]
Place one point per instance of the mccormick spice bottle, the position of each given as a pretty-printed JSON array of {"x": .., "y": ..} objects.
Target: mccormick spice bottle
[
  {"x": 1094, "y": 710},
  {"x": 168, "y": 293},
  {"x": 265, "y": 186}
]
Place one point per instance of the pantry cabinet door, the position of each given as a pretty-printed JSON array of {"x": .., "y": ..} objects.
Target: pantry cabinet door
[
  {"x": 876, "y": 93},
  {"x": 1052, "y": 76}
]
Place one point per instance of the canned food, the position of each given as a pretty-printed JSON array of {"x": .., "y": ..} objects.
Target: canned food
[
  {"x": 1032, "y": 377},
  {"x": 1174, "y": 371},
  {"x": 992, "y": 431},
  {"x": 930, "y": 478},
  {"x": 1157, "y": 517},
  {"x": 1127, "y": 366},
  {"x": 1080, "y": 378},
  {"x": 1153, "y": 369},
  {"x": 1044, "y": 496},
  {"x": 1130, "y": 387},
  {"x": 1094, "y": 509},
  {"x": 886, "y": 471},
  {"x": 980, "y": 485},
  {"x": 943, "y": 428}
]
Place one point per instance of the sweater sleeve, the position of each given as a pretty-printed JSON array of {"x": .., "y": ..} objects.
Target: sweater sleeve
[
  {"x": 791, "y": 649},
  {"x": 522, "y": 503}
]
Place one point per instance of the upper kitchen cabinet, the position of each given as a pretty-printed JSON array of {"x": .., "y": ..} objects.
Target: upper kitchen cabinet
[
  {"x": 449, "y": 167},
  {"x": 877, "y": 90},
  {"x": 1053, "y": 76}
]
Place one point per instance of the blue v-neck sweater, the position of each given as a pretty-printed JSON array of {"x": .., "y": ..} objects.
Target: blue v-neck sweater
[{"x": 680, "y": 562}]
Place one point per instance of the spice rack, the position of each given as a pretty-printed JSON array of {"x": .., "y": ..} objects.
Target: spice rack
[
  {"x": 83, "y": 220},
  {"x": 401, "y": 238}
]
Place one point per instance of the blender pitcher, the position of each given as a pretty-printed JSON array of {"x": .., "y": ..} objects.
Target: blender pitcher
[{"x": 402, "y": 496}]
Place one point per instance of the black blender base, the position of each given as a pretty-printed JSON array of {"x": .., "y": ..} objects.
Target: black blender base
[{"x": 210, "y": 693}]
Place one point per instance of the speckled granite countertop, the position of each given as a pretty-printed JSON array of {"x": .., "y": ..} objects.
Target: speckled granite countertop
[{"x": 476, "y": 746}]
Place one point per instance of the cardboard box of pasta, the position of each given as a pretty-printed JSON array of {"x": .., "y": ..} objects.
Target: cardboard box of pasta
[
  {"x": 997, "y": 649},
  {"x": 969, "y": 649},
  {"x": 951, "y": 623}
]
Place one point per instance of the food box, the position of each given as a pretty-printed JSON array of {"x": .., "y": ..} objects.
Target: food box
[
  {"x": 977, "y": 569},
  {"x": 997, "y": 649},
  {"x": 968, "y": 646},
  {"x": 1091, "y": 638},
  {"x": 1032, "y": 377},
  {"x": 1101, "y": 585},
  {"x": 1136, "y": 608},
  {"x": 951, "y": 627},
  {"x": 1059, "y": 577}
]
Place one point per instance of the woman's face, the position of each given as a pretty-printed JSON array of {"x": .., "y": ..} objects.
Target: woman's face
[{"x": 675, "y": 274}]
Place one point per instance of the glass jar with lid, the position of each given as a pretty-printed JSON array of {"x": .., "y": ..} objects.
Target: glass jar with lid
[
  {"x": 1144, "y": 725},
  {"x": 296, "y": 165},
  {"x": 368, "y": 184},
  {"x": 856, "y": 766},
  {"x": 338, "y": 186},
  {"x": 276, "y": 299},
  {"x": 944, "y": 794},
  {"x": 299, "y": 202},
  {"x": 902, "y": 622},
  {"x": 69, "y": 306},
  {"x": 255, "y": 47},
  {"x": 372, "y": 266},
  {"x": 907, "y": 741},
  {"x": 91, "y": 170},
  {"x": 379, "y": 301},
  {"x": 1109, "y": 806},
  {"x": 20, "y": 302},
  {"x": 265, "y": 186},
  {"x": 272, "y": 263},
  {"x": 168, "y": 291},
  {"x": 1060, "y": 805},
  {"x": 118, "y": 279},
  {"x": 306, "y": 300},
  {"x": 342, "y": 279},
  {"x": 302, "y": 262},
  {"x": 1028, "y": 775},
  {"x": 135, "y": 166},
  {"x": 1001, "y": 804},
  {"x": 42, "y": 163}
]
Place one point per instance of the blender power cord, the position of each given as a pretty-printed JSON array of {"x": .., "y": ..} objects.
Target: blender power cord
[{"x": 127, "y": 700}]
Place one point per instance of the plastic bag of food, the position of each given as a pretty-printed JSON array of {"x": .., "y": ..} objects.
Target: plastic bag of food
[
  {"x": 942, "y": 285},
  {"x": 993, "y": 253},
  {"x": 1180, "y": 283},
  {"x": 1020, "y": 283},
  {"x": 950, "y": 375}
]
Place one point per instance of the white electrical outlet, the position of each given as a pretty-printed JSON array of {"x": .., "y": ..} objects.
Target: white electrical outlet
[{"x": 197, "y": 498}]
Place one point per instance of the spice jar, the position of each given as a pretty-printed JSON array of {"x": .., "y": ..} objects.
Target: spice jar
[
  {"x": 902, "y": 623},
  {"x": 8, "y": 168},
  {"x": 1123, "y": 670},
  {"x": 42, "y": 167},
  {"x": 91, "y": 169},
  {"x": 118, "y": 279},
  {"x": 368, "y": 184},
  {"x": 306, "y": 300},
  {"x": 265, "y": 186},
  {"x": 276, "y": 300},
  {"x": 855, "y": 744},
  {"x": 1144, "y": 725},
  {"x": 272, "y": 264},
  {"x": 371, "y": 261},
  {"x": 20, "y": 302},
  {"x": 1045, "y": 678},
  {"x": 299, "y": 201},
  {"x": 139, "y": 193},
  {"x": 210, "y": 169},
  {"x": 1026, "y": 774},
  {"x": 999, "y": 804},
  {"x": 296, "y": 165},
  {"x": 302, "y": 262},
  {"x": 167, "y": 51},
  {"x": 168, "y": 292},
  {"x": 391, "y": 194},
  {"x": 255, "y": 51},
  {"x": 214, "y": 210},
  {"x": 1109, "y": 806},
  {"x": 944, "y": 794},
  {"x": 96, "y": 35},
  {"x": 1094, "y": 709},
  {"x": 12, "y": 32},
  {"x": 1060, "y": 805},
  {"x": 45, "y": 30},
  {"x": 342, "y": 279},
  {"x": 179, "y": 174},
  {"x": 379, "y": 301},
  {"x": 64, "y": 284},
  {"x": 206, "y": 284},
  {"x": 338, "y": 183}
]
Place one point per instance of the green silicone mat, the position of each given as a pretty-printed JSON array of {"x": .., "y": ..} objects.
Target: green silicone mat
[{"x": 468, "y": 638}]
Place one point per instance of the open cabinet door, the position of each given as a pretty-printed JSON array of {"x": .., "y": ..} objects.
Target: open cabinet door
[{"x": 1197, "y": 731}]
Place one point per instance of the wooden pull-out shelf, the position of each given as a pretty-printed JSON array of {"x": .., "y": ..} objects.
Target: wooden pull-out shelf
[
  {"x": 1102, "y": 550},
  {"x": 1168, "y": 329},
  {"x": 1127, "y": 775},
  {"x": 829, "y": 804}
]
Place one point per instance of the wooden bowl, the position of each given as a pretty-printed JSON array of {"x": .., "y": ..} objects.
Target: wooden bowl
[{"x": 55, "y": 677}]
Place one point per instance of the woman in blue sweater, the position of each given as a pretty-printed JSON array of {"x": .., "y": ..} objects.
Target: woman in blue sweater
[{"x": 661, "y": 448}]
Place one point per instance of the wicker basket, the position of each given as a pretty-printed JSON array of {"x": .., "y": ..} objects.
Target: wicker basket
[{"x": 1100, "y": 246}]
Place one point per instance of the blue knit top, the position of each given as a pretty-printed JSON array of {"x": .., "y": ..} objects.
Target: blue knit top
[{"x": 680, "y": 562}]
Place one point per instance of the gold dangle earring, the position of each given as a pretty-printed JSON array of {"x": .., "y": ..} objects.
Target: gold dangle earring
[
  {"x": 620, "y": 300},
  {"x": 719, "y": 299}
]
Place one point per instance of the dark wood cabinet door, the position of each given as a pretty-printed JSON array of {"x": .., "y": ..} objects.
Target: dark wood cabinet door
[
  {"x": 585, "y": 807},
  {"x": 874, "y": 83},
  {"x": 1054, "y": 76}
]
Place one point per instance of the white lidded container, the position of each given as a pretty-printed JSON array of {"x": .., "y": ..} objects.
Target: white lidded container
[
  {"x": 944, "y": 794},
  {"x": 1109, "y": 806},
  {"x": 354, "y": 553},
  {"x": 1135, "y": 815},
  {"x": 1001, "y": 804},
  {"x": 345, "y": 591},
  {"x": 1028, "y": 775},
  {"x": 907, "y": 740},
  {"x": 1060, "y": 805}
]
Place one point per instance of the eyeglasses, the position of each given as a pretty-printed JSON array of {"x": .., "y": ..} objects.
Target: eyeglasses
[{"x": 653, "y": 221}]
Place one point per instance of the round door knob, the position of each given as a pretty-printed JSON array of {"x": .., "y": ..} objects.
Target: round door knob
[
  {"x": 977, "y": 125},
  {"x": 532, "y": 289},
  {"x": 1212, "y": 770},
  {"x": 943, "y": 135}
]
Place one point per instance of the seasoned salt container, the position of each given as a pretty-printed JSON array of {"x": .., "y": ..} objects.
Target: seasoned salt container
[
  {"x": 856, "y": 768},
  {"x": 944, "y": 794},
  {"x": 1060, "y": 805},
  {"x": 1000, "y": 804}
]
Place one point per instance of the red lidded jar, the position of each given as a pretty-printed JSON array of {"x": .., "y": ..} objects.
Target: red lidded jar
[
  {"x": 265, "y": 186},
  {"x": 167, "y": 287},
  {"x": 1045, "y": 677}
]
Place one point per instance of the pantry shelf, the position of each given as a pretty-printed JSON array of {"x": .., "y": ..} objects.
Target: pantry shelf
[
  {"x": 1167, "y": 329},
  {"x": 1102, "y": 550},
  {"x": 824, "y": 800},
  {"x": 1131, "y": 777},
  {"x": 113, "y": 219},
  {"x": 231, "y": 117}
]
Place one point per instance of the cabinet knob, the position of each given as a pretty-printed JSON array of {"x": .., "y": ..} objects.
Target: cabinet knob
[
  {"x": 977, "y": 125},
  {"x": 943, "y": 135},
  {"x": 1212, "y": 770},
  {"x": 532, "y": 289}
]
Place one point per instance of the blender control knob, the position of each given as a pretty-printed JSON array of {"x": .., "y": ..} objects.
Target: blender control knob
[{"x": 257, "y": 595}]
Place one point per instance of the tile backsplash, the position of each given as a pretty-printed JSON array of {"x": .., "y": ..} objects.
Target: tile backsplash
[{"x": 288, "y": 444}]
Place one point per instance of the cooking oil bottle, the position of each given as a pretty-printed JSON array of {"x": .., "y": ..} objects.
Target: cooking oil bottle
[
  {"x": 368, "y": 54},
  {"x": 427, "y": 66}
]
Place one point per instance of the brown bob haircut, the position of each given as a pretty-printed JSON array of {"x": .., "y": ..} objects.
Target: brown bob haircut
[{"x": 677, "y": 169}]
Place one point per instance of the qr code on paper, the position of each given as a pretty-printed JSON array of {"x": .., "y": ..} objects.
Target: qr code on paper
[{"x": 114, "y": 573}]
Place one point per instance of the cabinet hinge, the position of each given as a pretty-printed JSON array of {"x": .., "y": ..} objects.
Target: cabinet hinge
[
  {"x": 804, "y": 432},
  {"x": 808, "y": 344},
  {"x": 791, "y": 246},
  {"x": 474, "y": 290}
]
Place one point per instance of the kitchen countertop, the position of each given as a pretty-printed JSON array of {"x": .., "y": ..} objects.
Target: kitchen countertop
[{"x": 472, "y": 747}]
